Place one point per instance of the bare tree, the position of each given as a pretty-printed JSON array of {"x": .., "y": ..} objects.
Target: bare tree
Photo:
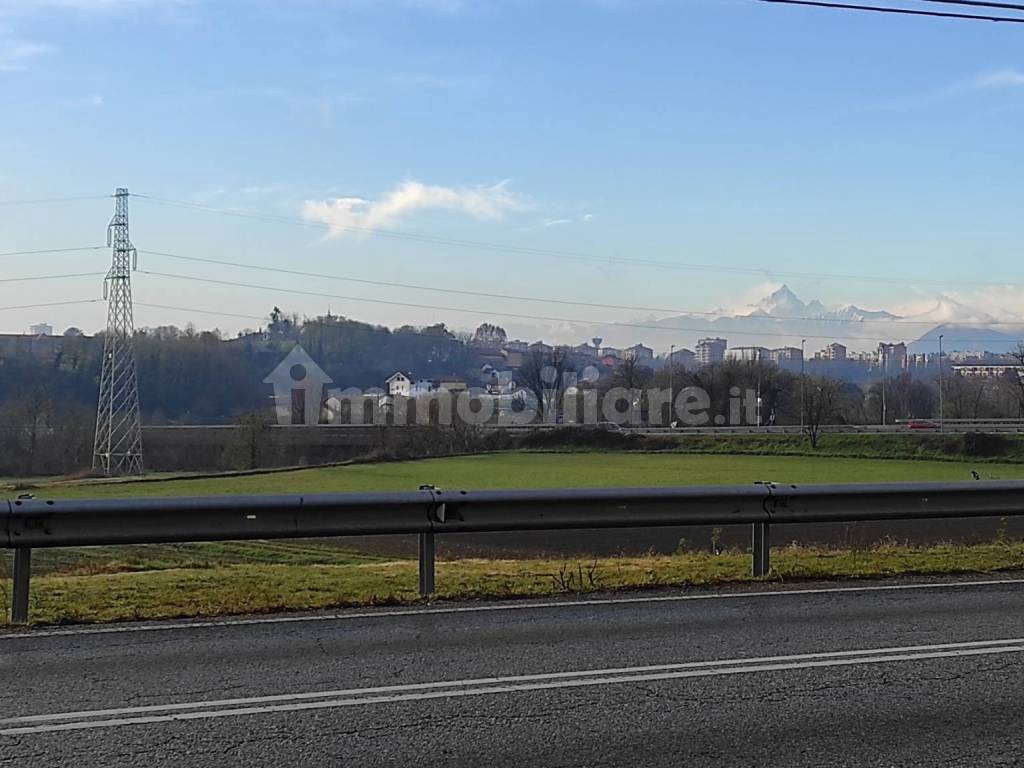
[
  {"x": 1018, "y": 375},
  {"x": 543, "y": 376},
  {"x": 37, "y": 437},
  {"x": 633, "y": 377},
  {"x": 920, "y": 399},
  {"x": 253, "y": 437},
  {"x": 489, "y": 335},
  {"x": 631, "y": 374},
  {"x": 963, "y": 396},
  {"x": 821, "y": 406}
]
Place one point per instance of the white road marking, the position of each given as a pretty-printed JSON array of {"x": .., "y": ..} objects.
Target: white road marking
[
  {"x": 492, "y": 686},
  {"x": 516, "y": 678},
  {"x": 511, "y": 606}
]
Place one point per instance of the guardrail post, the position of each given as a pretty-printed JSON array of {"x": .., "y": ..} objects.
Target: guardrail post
[
  {"x": 426, "y": 564},
  {"x": 759, "y": 549},
  {"x": 22, "y": 576}
]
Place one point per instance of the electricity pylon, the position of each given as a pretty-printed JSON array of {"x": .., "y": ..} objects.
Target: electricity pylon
[{"x": 117, "y": 449}]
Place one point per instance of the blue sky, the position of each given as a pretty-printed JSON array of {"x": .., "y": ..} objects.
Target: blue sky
[{"x": 721, "y": 132}]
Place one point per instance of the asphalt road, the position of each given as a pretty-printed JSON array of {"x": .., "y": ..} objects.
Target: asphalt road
[{"x": 851, "y": 675}]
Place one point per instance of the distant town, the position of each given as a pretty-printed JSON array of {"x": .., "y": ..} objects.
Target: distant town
[{"x": 495, "y": 362}]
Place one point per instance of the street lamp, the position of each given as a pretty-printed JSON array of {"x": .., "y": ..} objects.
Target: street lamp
[
  {"x": 671, "y": 391},
  {"x": 884, "y": 349},
  {"x": 940, "y": 381},
  {"x": 802, "y": 379}
]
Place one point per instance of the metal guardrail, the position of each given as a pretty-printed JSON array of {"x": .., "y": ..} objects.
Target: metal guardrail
[{"x": 32, "y": 523}]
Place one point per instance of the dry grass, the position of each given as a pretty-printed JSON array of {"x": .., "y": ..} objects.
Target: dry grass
[{"x": 264, "y": 588}]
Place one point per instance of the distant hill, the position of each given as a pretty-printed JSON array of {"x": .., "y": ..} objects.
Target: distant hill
[
  {"x": 783, "y": 319},
  {"x": 969, "y": 338}
]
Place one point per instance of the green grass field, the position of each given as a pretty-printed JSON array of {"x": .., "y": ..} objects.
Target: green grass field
[
  {"x": 547, "y": 470},
  {"x": 111, "y": 583},
  {"x": 87, "y": 561}
]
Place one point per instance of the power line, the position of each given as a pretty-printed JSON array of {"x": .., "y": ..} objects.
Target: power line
[
  {"x": 377, "y": 231},
  {"x": 48, "y": 200},
  {"x": 51, "y": 304},
  {"x": 199, "y": 311},
  {"x": 221, "y": 313},
  {"x": 564, "y": 302},
  {"x": 497, "y": 313},
  {"x": 54, "y": 250},
  {"x": 47, "y": 277},
  {"x": 901, "y": 11},
  {"x": 978, "y": 4},
  {"x": 567, "y": 255}
]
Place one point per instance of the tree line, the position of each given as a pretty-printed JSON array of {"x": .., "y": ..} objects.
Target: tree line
[{"x": 186, "y": 376}]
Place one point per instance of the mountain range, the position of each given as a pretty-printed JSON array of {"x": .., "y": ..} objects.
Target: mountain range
[
  {"x": 783, "y": 319},
  {"x": 783, "y": 303}
]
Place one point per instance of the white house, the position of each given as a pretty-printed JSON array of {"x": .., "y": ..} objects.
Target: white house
[
  {"x": 399, "y": 384},
  {"x": 423, "y": 387}
]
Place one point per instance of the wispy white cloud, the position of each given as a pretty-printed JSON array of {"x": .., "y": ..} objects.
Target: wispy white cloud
[
  {"x": 11, "y": 7},
  {"x": 747, "y": 300},
  {"x": 987, "y": 81},
  {"x": 208, "y": 195},
  {"x": 1002, "y": 79},
  {"x": 264, "y": 189},
  {"x": 17, "y": 54},
  {"x": 1000, "y": 301},
  {"x": 345, "y": 214},
  {"x": 444, "y": 6},
  {"x": 561, "y": 222},
  {"x": 426, "y": 81},
  {"x": 87, "y": 102}
]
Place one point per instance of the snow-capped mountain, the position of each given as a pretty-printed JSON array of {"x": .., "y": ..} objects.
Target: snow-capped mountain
[
  {"x": 855, "y": 313},
  {"x": 783, "y": 303},
  {"x": 783, "y": 319}
]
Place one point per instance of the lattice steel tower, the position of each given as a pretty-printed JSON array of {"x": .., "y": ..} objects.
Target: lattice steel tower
[{"x": 118, "y": 445}]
